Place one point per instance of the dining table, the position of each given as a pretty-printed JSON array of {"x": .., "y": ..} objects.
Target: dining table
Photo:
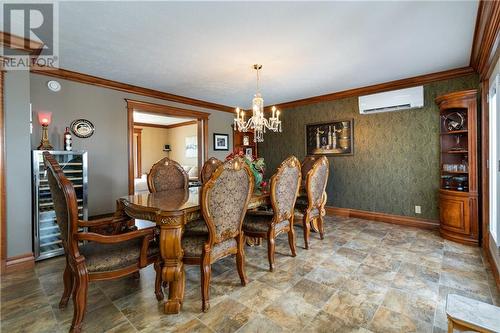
[{"x": 170, "y": 211}]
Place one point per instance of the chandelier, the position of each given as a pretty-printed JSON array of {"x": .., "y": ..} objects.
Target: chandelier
[{"x": 257, "y": 122}]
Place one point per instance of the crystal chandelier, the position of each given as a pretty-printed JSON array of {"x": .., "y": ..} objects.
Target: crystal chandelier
[{"x": 257, "y": 122}]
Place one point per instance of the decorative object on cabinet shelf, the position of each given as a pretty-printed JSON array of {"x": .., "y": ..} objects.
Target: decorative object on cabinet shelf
[
  {"x": 82, "y": 128},
  {"x": 454, "y": 121},
  {"x": 246, "y": 140},
  {"x": 47, "y": 236},
  {"x": 221, "y": 141},
  {"x": 257, "y": 122},
  {"x": 331, "y": 138},
  {"x": 68, "y": 145},
  {"x": 248, "y": 152},
  {"x": 45, "y": 118}
]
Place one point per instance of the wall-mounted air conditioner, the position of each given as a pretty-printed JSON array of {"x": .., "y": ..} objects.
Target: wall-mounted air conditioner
[{"x": 396, "y": 100}]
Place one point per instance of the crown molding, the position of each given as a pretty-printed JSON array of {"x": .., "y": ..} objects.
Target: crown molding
[
  {"x": 485, "y": 52},
  {"x": 29, "y": 46},
  {"x": 376, "y": 88},
  {"x": 185, "y": 123},
  {"x": 115, "y": 85}
]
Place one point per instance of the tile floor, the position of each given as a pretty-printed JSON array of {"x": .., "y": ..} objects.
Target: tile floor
[{"x": 364, "y": 277}]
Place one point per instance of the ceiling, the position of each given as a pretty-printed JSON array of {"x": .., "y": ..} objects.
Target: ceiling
[
  {"x": 205, "y": 50},
  {"x": 148, "y": 118}
]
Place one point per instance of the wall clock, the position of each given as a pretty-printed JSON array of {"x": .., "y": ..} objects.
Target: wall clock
[
  {"x": 54, "y": 85},
  {"x": 82, "y": 128}
]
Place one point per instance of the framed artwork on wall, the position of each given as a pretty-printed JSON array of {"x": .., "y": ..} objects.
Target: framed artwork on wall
[
  {"x": 334, "y": 138},
  {"x": 221, "y": 141}
]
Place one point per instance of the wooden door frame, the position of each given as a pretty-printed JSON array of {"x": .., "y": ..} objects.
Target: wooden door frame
[
  {"x": 3, "y": 216},
  {"x": 138, "y": 131},
  {"x": 202, "y": 129}
]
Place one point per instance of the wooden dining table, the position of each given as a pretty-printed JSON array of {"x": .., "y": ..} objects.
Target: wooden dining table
[{"x": 171, "y": 210}]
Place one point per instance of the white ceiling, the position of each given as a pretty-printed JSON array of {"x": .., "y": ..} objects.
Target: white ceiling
[
  {"x": 148, "y": 118},
  {"x": 205, "y": 50}
]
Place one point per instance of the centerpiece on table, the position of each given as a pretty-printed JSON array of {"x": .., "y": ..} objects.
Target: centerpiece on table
[{"x": 257, "y": 165}]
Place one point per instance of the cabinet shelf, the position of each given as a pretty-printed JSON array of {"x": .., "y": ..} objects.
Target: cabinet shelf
[{"x": 455, "y": 132}]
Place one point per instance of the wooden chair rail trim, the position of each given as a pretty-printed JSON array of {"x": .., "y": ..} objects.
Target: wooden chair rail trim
[{"x": 384, "y": 217}]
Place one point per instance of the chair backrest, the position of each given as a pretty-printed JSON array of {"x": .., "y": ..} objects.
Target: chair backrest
[
  {"x": 65, "y": 204},
  {"x": 208, "y": 168},
  {"x": 307, "y": 165},
  {"x": 316, "y": 182},
  {"x": 225, "y": 198},
  {"x": 285, "y": 185},
  {"x": 167, "y": 174}
]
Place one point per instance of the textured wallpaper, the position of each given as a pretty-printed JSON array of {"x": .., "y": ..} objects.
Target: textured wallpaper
[{"x": 395, "y": 165}]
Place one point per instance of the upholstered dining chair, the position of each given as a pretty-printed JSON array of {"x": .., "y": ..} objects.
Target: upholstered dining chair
[
  {"x": 101, "y": 257},
  {"x": 269, "y": 224},
  {"x": 167, "y": 174},
  {"x": 306, "y": 166},
  {"x": 208, "y": 168},
  {"x": 224, "y": 202},
  {"x": 314, "y": 208}
]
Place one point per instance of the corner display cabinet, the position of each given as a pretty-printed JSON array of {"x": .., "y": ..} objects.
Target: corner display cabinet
[
  {"x": 458, "y": 192},
  {"x": 47, "y": 237}
]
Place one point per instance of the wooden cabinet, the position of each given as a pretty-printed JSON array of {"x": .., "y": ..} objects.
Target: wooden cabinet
[
  {"x": 458, "y": 193},
  {"x": 240, "y": 143}
]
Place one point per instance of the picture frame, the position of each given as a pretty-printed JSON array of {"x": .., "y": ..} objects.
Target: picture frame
[
  {"x": 249, "y": 152},
  {"x": 332, "y": 138},
  {"x": 221, "y": 142}
]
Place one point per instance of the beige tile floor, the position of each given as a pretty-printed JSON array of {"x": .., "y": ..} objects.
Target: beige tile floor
[{"x": 364, "y": 277}]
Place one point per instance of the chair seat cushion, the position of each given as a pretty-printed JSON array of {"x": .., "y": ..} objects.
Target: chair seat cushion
[
  {"x": 259, "y": 222},
  {"x": 196, "y": 227},
  {"x": 109, "y": 257},
  {"x": 193, "y": 246}
]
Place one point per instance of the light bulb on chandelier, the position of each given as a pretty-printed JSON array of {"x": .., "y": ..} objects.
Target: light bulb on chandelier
[{"x": 257, "y": 122}]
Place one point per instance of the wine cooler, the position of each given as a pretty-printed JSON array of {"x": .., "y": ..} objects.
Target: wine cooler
[{"x": 47, "y": 236}]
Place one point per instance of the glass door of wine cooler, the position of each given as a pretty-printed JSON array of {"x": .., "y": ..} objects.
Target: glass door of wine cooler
[{"x": 47, "y": 236}]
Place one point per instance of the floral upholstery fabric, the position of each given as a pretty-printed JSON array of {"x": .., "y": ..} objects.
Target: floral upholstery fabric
[
  {"x": 227, "y": 199},
  {"x": 260, "y": 221},
  {"x": 60, "y": 205},
  {"x": 168, "y": 176},
  {"x": 193, "y": 246},
  {"x": 108, "y": 257},
  {"x": 286, "y": 189},
  {"x": 196, "y": 227},
  {"x": 318, "y": 183}
]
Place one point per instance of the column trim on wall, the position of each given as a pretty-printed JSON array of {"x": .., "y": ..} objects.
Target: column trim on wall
[
  {"x": 201, "y": 120},
  {"x": 384, "y": 217}
]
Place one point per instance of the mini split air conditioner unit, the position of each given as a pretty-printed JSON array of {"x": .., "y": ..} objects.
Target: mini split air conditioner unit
[{"x": 396, "y": 100}]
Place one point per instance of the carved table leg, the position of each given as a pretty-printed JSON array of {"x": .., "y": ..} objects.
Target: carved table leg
[{"x": 173, "y": 268}]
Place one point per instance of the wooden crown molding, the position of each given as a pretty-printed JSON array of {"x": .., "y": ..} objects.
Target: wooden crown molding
[
  {"x": 376, "y": 88},
  {"x": 486, "y": 38},
  {"x": 115, "y": 85},
  {"x": 384, "y": 217},
  {"x": 164, "y": 109},
  {"x": 185, "y": 123},
  {"x": 31, "y": 47}
]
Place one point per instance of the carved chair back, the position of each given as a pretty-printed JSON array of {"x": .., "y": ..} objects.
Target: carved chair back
[
  {"x": 316, "y": 182},
  {"x": 225, "y": 198},
  {"x": 307, "y": 165},
  {"x": 167, "y": 174},
  {"x": 285, "y": 184},
  {"x": 208, "y": 169},
  {"x": 65, "y": 204}
]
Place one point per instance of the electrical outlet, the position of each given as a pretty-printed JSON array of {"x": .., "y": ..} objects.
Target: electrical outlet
[{"x": 418, "y": 210}]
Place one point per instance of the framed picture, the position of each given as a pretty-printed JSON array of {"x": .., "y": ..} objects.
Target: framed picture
[
  {"x": 333, "y": 138},
  {"x": 191, "y": 146},
  {"x": 248, "y": 152},
  {"x": 221, "y": 141}
]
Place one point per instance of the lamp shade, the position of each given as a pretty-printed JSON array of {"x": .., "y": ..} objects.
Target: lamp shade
[
  {"x": 44, "y": 118},
  {"x": 167, "y": 148}
]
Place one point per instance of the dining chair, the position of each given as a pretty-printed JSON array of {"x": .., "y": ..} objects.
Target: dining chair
[
  {"x": 314, "y": 208},
  {"x": 269, "y": 224},
  {"x": 208, "y": 168},
  {"x": 306, "y": 166},
  {"x": 224, "y": 202},
  {"x": 167, "y": 174},
  {"x": 91, "y": 256}
]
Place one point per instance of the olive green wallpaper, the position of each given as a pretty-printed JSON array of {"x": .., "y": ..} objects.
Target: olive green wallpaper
[{"x": 395, "y": 165}]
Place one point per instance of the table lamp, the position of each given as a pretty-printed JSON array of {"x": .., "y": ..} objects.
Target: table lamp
[{"x": 44, "y": 118}]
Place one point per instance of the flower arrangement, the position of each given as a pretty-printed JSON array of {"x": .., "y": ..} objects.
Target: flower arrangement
[{"x": 257, "y": 166}]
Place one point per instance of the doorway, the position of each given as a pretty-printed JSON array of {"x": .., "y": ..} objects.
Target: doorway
[
  {"x": 494, "y": 154},
  {"x": 156, "y": 131}
]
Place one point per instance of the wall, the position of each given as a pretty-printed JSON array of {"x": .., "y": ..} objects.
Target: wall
[
  {"x": 106, "y": 109},
  {"x": 395, "y": 165},
  {"x": 177, "y": 141},
  {"x": 153, "y": 140},
  {"x": 18, "y": 162}
]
